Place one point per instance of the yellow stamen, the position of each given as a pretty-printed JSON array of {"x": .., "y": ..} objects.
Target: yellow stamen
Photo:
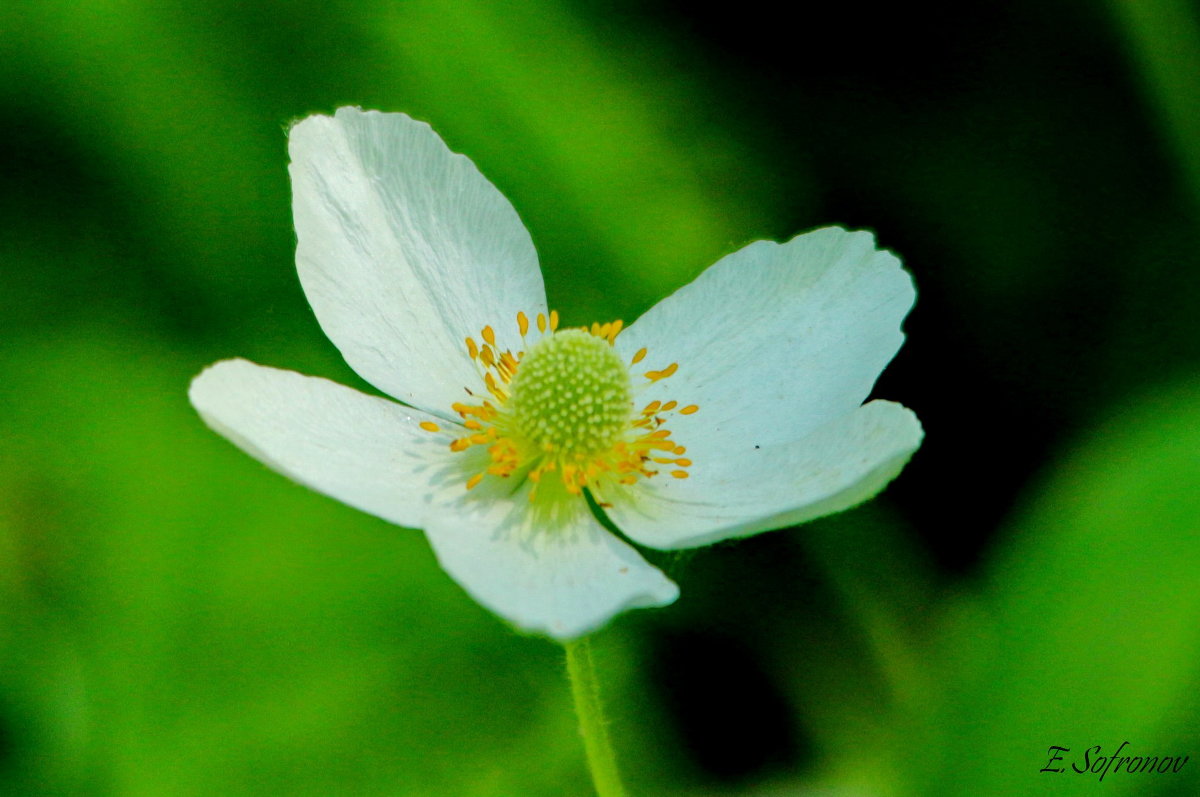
[
  {"x": 615, "y": 330},
  {"x": 429, "y": 426},
  {"x": 472, "y": 349},
  {"x": 489, "y": 335},
  {"x": 490, "y": 381},
  {"x": 654, "y": 376},
  {"x": 637, "y": 358},
  {"x": 522, "y": 323},
  {"x": 688, "y": 410}
]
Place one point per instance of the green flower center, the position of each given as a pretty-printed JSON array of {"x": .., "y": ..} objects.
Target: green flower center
[{"x": 571, "y": 395}]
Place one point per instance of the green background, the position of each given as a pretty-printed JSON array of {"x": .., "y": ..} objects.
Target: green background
[{"x": 177, "y": 620}]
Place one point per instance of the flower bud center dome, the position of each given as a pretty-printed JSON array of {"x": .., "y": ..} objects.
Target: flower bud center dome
[{"x": 571, "y": 394}]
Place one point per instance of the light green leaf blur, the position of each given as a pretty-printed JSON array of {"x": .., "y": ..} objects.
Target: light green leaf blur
[{"x": 1083, "y": 631}]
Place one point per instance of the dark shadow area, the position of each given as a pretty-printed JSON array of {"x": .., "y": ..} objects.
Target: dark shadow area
[{"x": 726, "y": 712}]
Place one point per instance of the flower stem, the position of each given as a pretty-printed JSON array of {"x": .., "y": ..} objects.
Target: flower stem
[{"x": 586, "y": 691}]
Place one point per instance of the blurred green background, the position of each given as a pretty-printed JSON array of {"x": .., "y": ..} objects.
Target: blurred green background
[{"x": 177, "y": 620}]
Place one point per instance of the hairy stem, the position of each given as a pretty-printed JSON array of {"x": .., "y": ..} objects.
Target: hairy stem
[{"x": 586, "y": 691}]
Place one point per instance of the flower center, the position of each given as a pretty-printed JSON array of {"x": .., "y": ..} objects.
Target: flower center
[
  {"x": 571, "y": 395},
  {"x": 566, "y": 405}
]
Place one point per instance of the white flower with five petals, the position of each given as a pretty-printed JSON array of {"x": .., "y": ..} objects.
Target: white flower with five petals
[{"x": 731, "y": 407}]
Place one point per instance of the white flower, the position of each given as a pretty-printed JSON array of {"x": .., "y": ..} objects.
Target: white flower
[{"x": 732, "y": 407}]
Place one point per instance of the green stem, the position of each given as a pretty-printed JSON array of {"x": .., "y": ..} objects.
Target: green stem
[{"x": 586, "y": 691}]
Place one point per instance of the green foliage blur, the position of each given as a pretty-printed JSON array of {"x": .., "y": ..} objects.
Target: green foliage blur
[{"x": 175, "y": 619}]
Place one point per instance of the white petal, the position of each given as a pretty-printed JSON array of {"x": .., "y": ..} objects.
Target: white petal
[
  {"x": 778, "y": 337},
  {"x": 562, "y": 576},
  {"x": 365, "y": 451},
  {"x": 763, "y": 484},
  {"x": 404, "y": 250}
]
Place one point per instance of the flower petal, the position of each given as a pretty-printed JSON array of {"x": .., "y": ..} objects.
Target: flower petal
[
  {"x": 783, "y": 336},
  {"x": 761, "y": 486},
  {"x": 365, "y": 451},
  {"x": 404, "y": 250},
  {"x": 562, "y": 576}
]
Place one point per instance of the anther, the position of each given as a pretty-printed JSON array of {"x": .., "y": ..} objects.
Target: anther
[{"x": 654, "y": 376}]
